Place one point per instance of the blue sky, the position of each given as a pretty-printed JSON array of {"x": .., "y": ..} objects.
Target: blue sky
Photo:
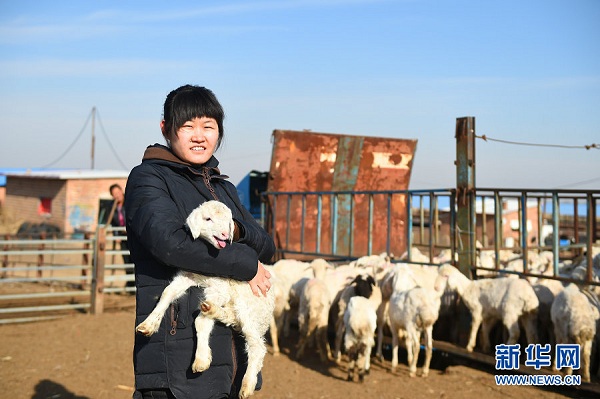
[{"x": 528, "y": 71}]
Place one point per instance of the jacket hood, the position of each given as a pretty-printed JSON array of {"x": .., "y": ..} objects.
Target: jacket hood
[{"x": 159, "y": 152}]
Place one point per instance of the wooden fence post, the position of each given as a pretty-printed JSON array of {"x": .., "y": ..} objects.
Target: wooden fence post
[
  {"x": 5, "y": 258},
  {"x": 97, "y": 298}
]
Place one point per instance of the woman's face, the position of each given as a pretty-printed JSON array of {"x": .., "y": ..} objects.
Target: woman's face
[{"x": 195, "y": 141}]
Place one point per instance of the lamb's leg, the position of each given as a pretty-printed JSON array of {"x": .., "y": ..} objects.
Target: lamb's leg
[
  {"x": 173, "y": 291},
  {"x": 475, "y": 323},
  {"x": 339, "y": 334},
  {"x": 361, "y": 361},
  {"x": 381, "y": 313},
  {"x": 305, "y": 336},
  {"x": 368, "y": 358},
  {"x": 530, "y": 325},
  {"x": 256, "y": 349},
  {"x": 395, "y": 334},
  {"x": 323, "y": 343},
  {"x": 274, "y": 331},
  {"x": 586, "y": 354},
  {"x": 486, "y": 329},
  {"x": 428, "y": 350},
  {"x": 203, "y": 358},
  {"x": 351, "y": 367},
  {"x": 511, "y": 322},
  {"x": 412, "y": 350}
]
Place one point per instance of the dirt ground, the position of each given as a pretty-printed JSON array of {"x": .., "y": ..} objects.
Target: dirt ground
[{"x": 89, "y": 357}]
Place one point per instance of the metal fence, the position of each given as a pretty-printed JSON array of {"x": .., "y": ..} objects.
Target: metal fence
[
  {"x": 524, "y": 221},
  {"x": 45, "y": 278}
]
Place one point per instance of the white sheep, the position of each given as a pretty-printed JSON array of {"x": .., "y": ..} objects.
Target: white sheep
[
  {"x": 228, "y": 301},
  {"x": 313, "y": 313},
  {"x": 361, "y": 286},
  {"x": 285, "y": 273},
  {"x": 546, "y": 291},
  {"x": 575, "y": 314},
  {"x": 360, "y": 322},
  {"x": 412, "y": 312},
  {"x": 489, "y": 300},
  {"x": 401, "y": 277}
]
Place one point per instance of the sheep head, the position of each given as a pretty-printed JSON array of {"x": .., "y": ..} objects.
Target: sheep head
[{"x": 213, "y": 222}]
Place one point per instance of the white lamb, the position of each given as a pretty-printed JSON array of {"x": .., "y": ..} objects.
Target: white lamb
[
  {"x": 412, "y": 312},
  {"x": 228, "y": 301},
  {"x": 489, "y": 300},
  {"x": 360, "y": 322},
  {"x": 313, "y": 313},
  {"x": 575, "y": 314}
]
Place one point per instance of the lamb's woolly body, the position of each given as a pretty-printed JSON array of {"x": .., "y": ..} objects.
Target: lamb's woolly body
[
  {"x": 575, "y": 317},
  {"x": 229, "y": 301},
  {"x": 489, "y": 300}
]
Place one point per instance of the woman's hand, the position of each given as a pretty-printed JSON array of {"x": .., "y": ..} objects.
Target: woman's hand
[{"x": 261, "y": 282}]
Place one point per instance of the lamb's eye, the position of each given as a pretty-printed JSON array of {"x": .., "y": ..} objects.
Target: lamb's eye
[{"x": 207, "y": 219}]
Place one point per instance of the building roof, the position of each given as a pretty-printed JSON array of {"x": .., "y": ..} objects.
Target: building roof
[{"x": 63, "y": 174}]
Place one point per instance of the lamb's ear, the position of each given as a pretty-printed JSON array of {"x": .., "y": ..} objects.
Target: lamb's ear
[{"x": 193, "y": 223}]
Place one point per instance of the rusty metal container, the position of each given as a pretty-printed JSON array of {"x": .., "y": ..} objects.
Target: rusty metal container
[{"x": 327, "y": 208}]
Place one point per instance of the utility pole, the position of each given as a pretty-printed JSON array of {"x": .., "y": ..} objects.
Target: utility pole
[{"x": 93, "y": 134}]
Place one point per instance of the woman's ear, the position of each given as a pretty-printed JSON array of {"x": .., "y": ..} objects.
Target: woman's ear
[{"x": 165, "y": 134}]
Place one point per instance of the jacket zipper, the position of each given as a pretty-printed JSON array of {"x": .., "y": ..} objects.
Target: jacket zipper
[
  {"x": 206, "y": 178},
  {"x": 173, "y": 321},
  {"x": 233, "y": 358}
]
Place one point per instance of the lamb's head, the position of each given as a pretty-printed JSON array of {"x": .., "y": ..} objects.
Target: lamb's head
[{"x": 213, "y": 222}]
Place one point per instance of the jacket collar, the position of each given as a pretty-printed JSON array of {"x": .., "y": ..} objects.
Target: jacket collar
[{"x": 161, "y": 153}]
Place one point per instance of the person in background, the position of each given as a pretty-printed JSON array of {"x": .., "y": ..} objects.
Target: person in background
[
  {"x": 161, "y": 192},
  {"x": 118, "y": 220}
]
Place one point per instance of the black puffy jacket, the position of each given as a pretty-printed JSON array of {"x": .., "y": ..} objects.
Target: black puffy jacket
[{"x": 160, "y": 194}]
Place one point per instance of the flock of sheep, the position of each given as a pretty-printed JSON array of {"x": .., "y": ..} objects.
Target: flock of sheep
[{"x": 374, "y": 294}]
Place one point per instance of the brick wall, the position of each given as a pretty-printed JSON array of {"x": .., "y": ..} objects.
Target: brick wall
[
  {"x": 74, "y": 202},
  {"x": 82, "y": 202}
]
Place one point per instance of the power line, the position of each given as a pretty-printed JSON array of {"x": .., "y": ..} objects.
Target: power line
[
  {"x": 580, "y": 183},
  {"x": 109, "y": 143},
  {"x": 71, "y": 145},
  {"x": 587, "y": 147}
]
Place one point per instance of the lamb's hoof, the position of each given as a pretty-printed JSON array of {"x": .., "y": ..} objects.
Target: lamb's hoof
[
  {"x": 469, "y": 349},
  {"x": 424, "y": 374},
  {"x": 247, "y": 388},
  {"x": 245, "y": 393},
  {"x": 145, "y": 329},
  {"x": 200, "y": 365},
  {"x": 412, "y": 374}
]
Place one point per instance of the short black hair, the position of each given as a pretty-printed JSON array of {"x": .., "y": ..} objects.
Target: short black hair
[
  {"x": 113, "y": 186},
  {"x": 188, "y": 102}
]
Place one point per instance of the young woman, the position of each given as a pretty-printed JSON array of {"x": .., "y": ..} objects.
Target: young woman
[{"x": 170, "y": 182}]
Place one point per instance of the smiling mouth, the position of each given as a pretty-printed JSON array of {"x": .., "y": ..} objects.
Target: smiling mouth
[{"x": 198, "y": 148}]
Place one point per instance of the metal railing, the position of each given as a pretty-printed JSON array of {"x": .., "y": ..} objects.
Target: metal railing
[
  {"x": 47, "y": 278},
  {"x": 331, "y": 225}
]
